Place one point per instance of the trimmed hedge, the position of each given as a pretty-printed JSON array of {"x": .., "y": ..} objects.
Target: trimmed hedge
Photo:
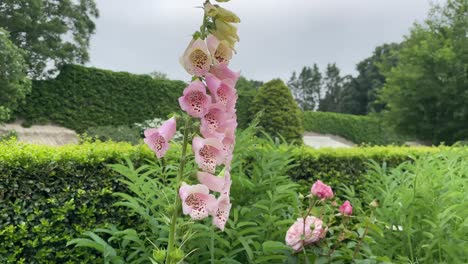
[
  {"x": 358, "y": 129},
  {"x": 49, "y": 195},
  {"x": 82, "y": 97}
]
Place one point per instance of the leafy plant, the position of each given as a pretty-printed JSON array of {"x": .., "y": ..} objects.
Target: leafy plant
[{"x": 423, "y": 208}]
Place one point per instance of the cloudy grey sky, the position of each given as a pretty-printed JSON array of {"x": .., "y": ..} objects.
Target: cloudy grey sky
[{"x": 277, "y": 36}]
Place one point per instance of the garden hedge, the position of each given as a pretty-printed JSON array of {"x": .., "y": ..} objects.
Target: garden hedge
[
  {"x": 358, "y": 129},
  {"x": 49, "y": 195},
  {"x": 82, "y": 97}
]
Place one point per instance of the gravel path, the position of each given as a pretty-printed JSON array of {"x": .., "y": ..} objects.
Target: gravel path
[
  {"x": 326, "y": 141},
  {"x": 44, "y": 135}
]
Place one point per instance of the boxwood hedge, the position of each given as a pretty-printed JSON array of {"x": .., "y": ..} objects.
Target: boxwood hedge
[
  {"x": 49, "y": 195},
  {"x": 358, "y": 129},
  {"x": 82, "y": 97}
]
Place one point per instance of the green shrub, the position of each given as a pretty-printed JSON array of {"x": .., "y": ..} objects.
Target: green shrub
[
  {"x": 423, "y": 208},
  {"x": 281, "y": 115},
  {"x": 358, "y": 129},
  {"x": 14, "y": 81},
  {"x": 82, "y": 97},
  {"x": 247, "y": 90},
  {"x": 121, "y": 133},
  {"x": 49, "y": 195}
]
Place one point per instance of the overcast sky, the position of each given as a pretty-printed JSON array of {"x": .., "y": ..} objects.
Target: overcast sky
[{"x": 277, "y": 36}]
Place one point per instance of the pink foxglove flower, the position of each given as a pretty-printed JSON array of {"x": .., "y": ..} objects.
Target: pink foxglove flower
[
  {"x": 346, "y": 209},
  {"x": 229, "y": 142},
  {"x": 196, "y": 59},
  {"x": 214, "y": 121},
  {"x": 195, "y": 101},
  {"x": 296, "y": 238},
  {"x": 158, "y": 138},
  {"x": 221, "y": 213},
  {"x": 222, "y": 72},
  {"x": 220, "y": 50},
  {"x": 197, "y": 201},
  {"x": 224, "y": 92},
  {"x": 216, "y": 183},
  {"x": 208, "y": 153},
  {"x": 321, "y": 190}
]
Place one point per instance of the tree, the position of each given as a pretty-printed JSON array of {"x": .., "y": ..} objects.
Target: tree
[
  {"x": 426, "y": 94},
  {"x": 333, "y": 86},
  {"x": 14, "y": 84},
  {"x": 281, "y": 115},
  {"x": 306, "y": 87},
  {"x": 246, "y": 90},
  {"x": 52, "y": 32}
]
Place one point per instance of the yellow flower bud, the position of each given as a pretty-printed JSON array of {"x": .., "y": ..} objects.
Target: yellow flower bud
[
  {"x": 226, "y": 29},
  {"x": 227, "y": 16},
  {"x": 211, "y": 10}
]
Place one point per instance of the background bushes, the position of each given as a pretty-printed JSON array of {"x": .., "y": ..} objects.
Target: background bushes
[
  {"x": 358, "y": 129},
  {"x": 280, "y": 114},
  {"x": 82, "y": 97}
]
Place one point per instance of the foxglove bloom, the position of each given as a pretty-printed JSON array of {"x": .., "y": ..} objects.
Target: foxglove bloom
[
  {"x": 346, "y": 209},
  {"x": 196, "y": 59},
  {"x": 216, "y": 122},
  {"x": 222, "y": 72},
  {"x": 221, "y": 212},
  {"x": 216, "y": 183},
  {"x": 223, "y": 92},
  {"x": 296, "y": 238},
  {"x": 321, "y": 190},
  {"x": 195, "y": 101},
  {"x": 208, "y": 153},
  {"x": 158, "y": 138},
  {"x": 219, "y": 49},
  {"x": 197, "y": 201}
]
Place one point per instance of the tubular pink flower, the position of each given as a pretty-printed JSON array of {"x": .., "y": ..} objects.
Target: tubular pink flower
[
  {"x": 196, "y": 59},
  {"x": 222, "y": 72},
  {"x": 158, "y": 138},
  {"x": 221, "y": 213},
  {"x": 228, "y": 143},
  {"x": 321, "y": 190},
  {"x": 346, "y": 209},
  {"x": 224, "y": 92},
  {"x": 296, "y": 238},
  {"x": 195, "y": 101},
  {"x": 214, "y": 122},
  {"x": 208, "y": 153},
  {"x": 197, "y": 201},
  {"x": 220, "y": 51},
  {"x": 215, "y": 183}
]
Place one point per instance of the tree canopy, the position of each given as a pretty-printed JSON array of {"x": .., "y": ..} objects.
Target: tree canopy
[
  {"x": 52, "y": 32},
  {"x": 426, "y": 94},
  {"x": 14, "y": 84}
]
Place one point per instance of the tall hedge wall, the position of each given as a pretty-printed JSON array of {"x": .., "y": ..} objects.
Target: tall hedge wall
[
  {"x": 49, "y": 195},
  {"x": 82, "y": 97},
  {"x": 358, "y": 129}
]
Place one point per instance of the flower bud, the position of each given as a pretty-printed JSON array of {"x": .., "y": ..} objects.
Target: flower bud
[
  {"x": 177, "y": 255},
  {"x": 227, "y": 16},
  {"x": 211, "y": 10},
  {"x": 159, "y": 255},
  {"x": 374, "y": 204}
]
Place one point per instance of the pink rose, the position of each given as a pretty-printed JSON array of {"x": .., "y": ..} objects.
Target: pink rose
[
  {"x": 296, "y": 238},
  {"x": 321, "y": 190},
  {"x": 346, "y": 208}
]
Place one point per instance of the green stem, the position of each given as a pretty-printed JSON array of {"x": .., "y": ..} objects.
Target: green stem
[
  {"x": 178, "y": 202},
  {"x": 212, "y": 245},
  {"x": 356, "y": 251}
]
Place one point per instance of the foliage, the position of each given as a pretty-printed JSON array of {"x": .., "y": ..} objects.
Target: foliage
[
  {"x": 346, "y": 166},
  {"x": 426, "y": 93},
  {"x": 246, "y": 90},
  {"x": 121, "y": 133},
  {"x": 307, "y": 87},
  {"x": 333, "y": 88},
  {"x": 280, "y": 114},
  {"x": 52, "y": 32},
  {"x": 423, "y": 208},
  {"x": 82, "y": 97},
  {"x": 358, "y": 129},
  {"x": 14, "y": 84},
  {"x": 49, "y": 195},
  {"x": 360, "y": 97}
]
